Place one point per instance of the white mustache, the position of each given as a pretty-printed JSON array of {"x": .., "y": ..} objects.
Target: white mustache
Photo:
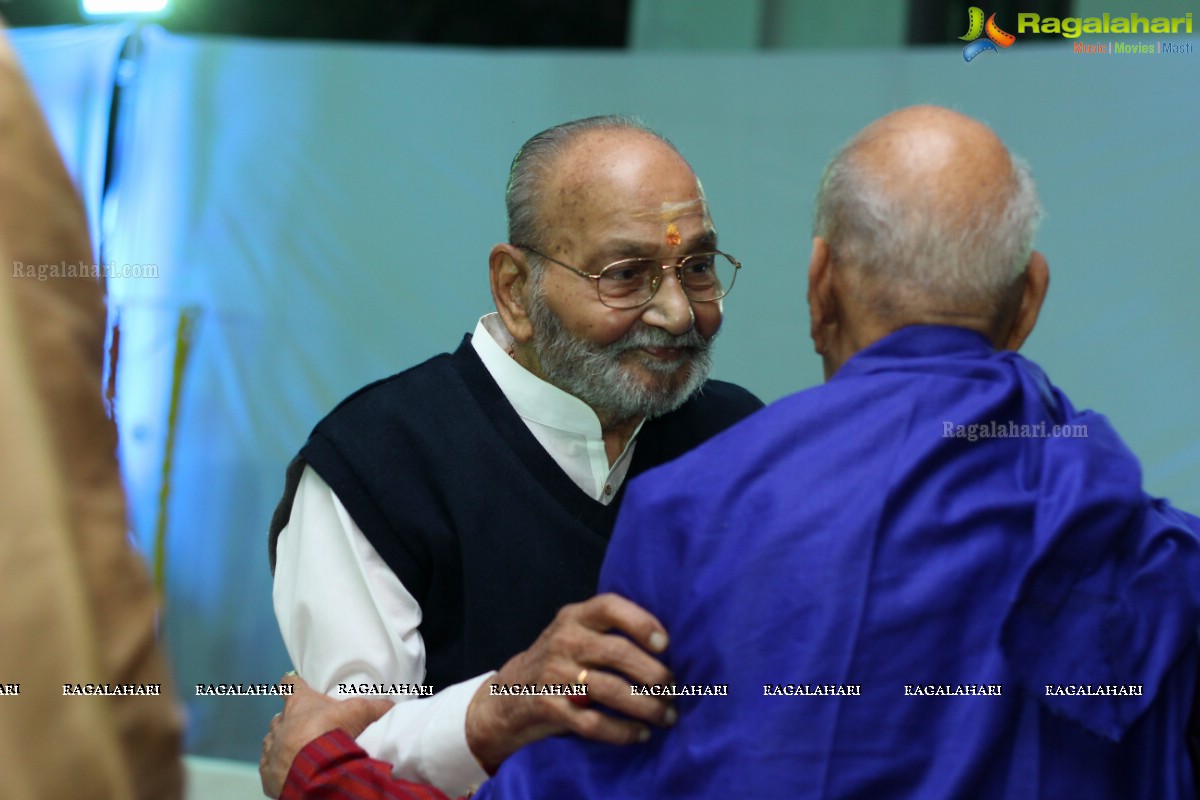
[{"x": 657, "y": 337}]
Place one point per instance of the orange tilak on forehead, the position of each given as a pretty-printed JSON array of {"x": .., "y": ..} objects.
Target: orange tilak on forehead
[
  {"x": 670, "y": 212},
  {"x": 673, "y": 237}
]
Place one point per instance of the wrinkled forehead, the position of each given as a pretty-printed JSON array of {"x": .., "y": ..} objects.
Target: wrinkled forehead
[
  {"x": 673, "y": 222},
  {"x": 675, "y": 210},
  {"x": 640, "y": 189}
]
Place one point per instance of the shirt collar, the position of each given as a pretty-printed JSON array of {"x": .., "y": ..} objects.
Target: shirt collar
[{"x": 533, "y": 398}]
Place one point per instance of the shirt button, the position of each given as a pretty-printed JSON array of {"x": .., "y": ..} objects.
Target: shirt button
[{"x": 607, "y": 489}]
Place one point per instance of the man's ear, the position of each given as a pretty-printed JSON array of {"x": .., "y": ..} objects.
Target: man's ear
[
  {"x": 822, "y": 305},
  {"x": 1033, "y": 294},
  {"x": 511, "y": 283}
]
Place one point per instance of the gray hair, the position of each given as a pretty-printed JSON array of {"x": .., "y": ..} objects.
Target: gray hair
[
  {"x": 908, "y": 239},
  {"x": 533, "y": 162}
]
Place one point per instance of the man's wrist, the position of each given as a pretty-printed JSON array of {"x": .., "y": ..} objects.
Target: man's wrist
[
  {"x": 475, "y": 737},
  {"x": 426, "y": 739}
]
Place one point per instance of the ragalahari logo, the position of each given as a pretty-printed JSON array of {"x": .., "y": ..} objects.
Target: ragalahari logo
[{"x": 995, "y": 36}]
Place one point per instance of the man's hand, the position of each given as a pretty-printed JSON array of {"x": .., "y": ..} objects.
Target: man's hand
[
  {"x": 306, "y": 715},
  {"x": 583, "y": 644}
]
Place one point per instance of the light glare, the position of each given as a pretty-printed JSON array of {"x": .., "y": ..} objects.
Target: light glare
[{"x": 97, "y": 8}]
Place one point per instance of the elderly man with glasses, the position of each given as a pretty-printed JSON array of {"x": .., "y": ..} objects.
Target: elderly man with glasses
[{"x": 452, "y": 519}]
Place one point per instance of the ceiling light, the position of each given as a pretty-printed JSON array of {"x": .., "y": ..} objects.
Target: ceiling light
[{"x": 104, "y": 8}]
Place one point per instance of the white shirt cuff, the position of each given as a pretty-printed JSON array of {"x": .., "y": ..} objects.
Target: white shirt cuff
[{"x": 439, "y": 755}]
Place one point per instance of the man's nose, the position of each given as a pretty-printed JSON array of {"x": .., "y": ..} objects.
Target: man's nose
[{"x": 670, "y": 308}]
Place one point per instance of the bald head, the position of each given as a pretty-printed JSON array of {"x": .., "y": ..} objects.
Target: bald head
[
  {"x": 924, "y": 218},
  {"x": 560, "y": 158},
  {"x": 945, "y": 165},
  {"x": 932, "y": 213},
  {"x": 606, "y": 179}
]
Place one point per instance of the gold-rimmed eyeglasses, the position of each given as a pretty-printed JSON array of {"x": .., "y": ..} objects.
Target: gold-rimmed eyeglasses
[{"x": 632, "y": 282}]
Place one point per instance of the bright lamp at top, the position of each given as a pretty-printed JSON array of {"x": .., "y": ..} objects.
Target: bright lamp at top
[{"x": 99, "y": 8}]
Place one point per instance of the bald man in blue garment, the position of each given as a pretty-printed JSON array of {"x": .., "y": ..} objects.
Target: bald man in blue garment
[{"x": 931, "y": 577}]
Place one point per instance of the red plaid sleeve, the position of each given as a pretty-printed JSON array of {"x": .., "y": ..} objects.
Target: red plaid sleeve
[{"x": 333, "y": 767}]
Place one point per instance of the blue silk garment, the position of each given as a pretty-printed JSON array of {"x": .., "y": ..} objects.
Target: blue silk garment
[{"x": 1018, "y": 617}]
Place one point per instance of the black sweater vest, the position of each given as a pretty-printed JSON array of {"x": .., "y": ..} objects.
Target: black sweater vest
[{"x": 473, "y": 515}]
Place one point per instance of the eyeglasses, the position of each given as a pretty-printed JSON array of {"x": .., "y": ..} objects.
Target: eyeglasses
[{"x": 632, "y": 282}]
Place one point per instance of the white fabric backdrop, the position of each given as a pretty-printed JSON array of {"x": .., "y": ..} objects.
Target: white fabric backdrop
[
  {"x": 329, "y": 208},
  {"x": 72, "y": 72}
]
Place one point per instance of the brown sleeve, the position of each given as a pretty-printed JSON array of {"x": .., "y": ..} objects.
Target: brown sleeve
[{"x": 76, "y": 603}]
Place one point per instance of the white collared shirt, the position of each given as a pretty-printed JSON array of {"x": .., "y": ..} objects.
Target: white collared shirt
[{"x": 346, "y": 618}]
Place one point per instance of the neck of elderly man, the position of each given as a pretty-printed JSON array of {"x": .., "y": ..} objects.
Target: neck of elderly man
[
  {"x": 616, "y": 429},
  {"x": 851, "y": 309}
]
